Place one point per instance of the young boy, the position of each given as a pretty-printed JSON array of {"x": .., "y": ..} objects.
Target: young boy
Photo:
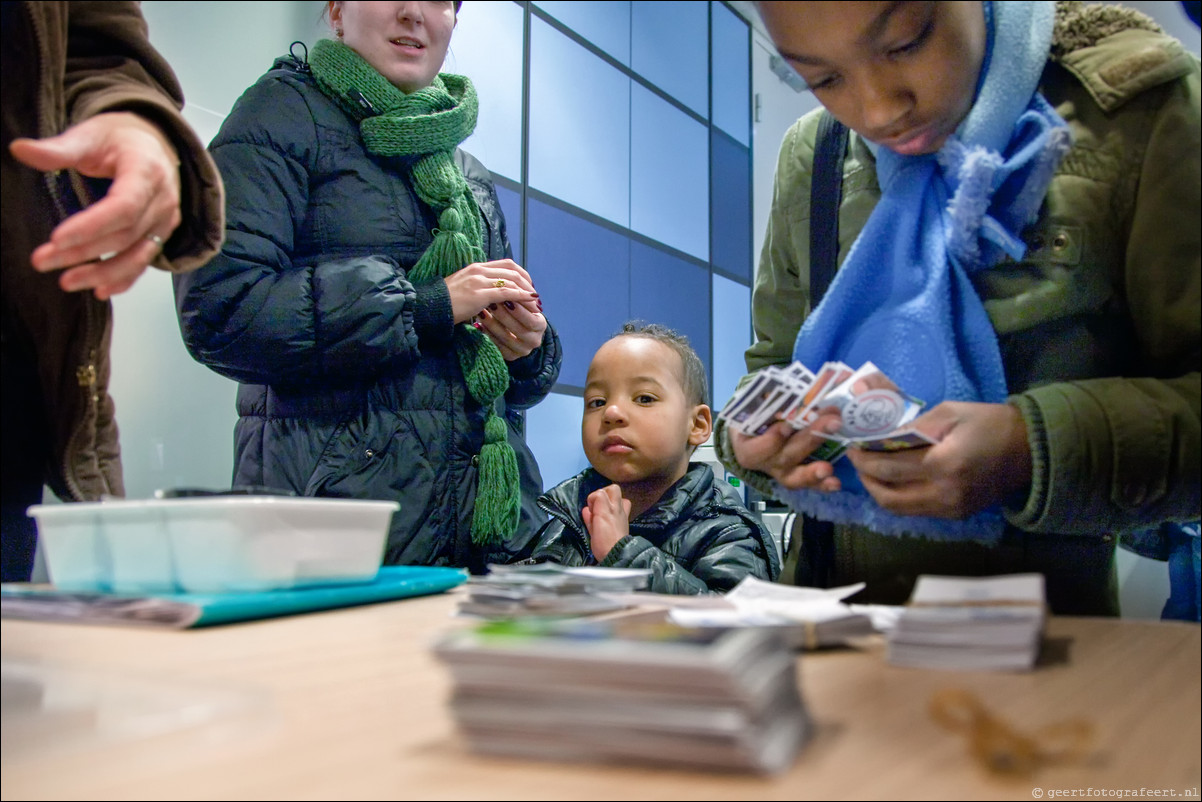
[
  {"x": 642, "y": 504},
  {"x": 1019, "y": 248}
]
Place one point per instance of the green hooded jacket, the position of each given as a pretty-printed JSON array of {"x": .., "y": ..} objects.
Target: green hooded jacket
[{"x": 1098, "y": 324}]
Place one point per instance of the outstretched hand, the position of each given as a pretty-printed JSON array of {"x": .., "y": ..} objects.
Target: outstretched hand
[
  {"x": 108, "y": 245},
  {"x": 982, "y": 456},
  {"x": 607, "y": 519}
]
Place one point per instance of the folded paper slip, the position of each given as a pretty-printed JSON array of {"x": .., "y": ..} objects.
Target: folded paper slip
[
  {"x": 811, "y": 618},
  {"x": 185, "y": 610}
]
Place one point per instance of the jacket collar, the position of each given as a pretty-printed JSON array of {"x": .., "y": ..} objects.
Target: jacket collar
[{"x": 693, "y": 491}]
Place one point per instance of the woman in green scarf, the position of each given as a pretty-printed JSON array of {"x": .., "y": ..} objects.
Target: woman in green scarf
[{"x": 385, "y": 342}]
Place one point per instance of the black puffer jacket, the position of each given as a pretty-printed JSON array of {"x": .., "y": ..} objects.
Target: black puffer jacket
[
  {"x": 697, "y": 538},
  {"x": 348, "y": 385}
]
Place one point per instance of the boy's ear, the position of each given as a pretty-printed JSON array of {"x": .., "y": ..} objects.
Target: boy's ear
[{"x": 703, "y": 424}]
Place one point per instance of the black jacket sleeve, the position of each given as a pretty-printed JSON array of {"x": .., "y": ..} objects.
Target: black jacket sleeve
[
  {"x": 723, "y": 559},
  {"x": 255, "y": 313}
]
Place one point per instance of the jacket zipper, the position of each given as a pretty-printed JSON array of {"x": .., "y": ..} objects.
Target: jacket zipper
[
  {"x": 571, "y": 526},
  {"x": 50, "y": 178},
  {"x": 85, "y": 374}
]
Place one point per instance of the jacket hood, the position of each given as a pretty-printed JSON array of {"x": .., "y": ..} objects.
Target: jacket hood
[{"x": 1117, "y": 53}]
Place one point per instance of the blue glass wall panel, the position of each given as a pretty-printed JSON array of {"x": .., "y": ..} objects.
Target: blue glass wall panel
[
  {"x": 732, "y": 335},
  {"x": 604, "y": 23},
  {"x": 487, "y": 47},
  {"x": 668, "y": 290},
  {"x": 553, "y": 434},
  {"x": 731, "y": 73},
  {"x": 582, "y": 273},
  {"x": 669, "y": 47},
  {"x": 730, "y": 199},
  {"x": 616, "y": 170},
  {"x": 579, "y": 126},
  {"x": 669, "y": 176},
  {"x": 511, "y": 207}
]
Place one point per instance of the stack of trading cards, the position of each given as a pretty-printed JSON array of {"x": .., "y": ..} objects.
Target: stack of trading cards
[
  {"x": 985, "y": 623},
  {"x": 875, "y": 411},
  {"x": 628, "y": 689},
  {"x": 548, "y": 589}
]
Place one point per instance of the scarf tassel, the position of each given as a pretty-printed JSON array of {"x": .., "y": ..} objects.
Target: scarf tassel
[
  {"x": 496, "y": 511},
  {"x": 451, "y": 246},
  {"x": 1059, "y": 143},
  {"x": 484, "y": 369}
]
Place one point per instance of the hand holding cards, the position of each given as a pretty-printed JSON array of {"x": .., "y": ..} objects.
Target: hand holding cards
[{"x": 874, "y": 411}]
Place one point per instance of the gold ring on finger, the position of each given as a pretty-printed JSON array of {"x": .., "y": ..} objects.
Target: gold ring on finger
[{"x": 499, "y": 283}]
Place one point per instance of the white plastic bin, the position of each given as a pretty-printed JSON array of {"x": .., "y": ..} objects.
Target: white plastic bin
[{"x": 214, "y": 544}]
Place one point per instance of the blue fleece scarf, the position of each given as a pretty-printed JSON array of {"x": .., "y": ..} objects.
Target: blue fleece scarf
[{"x": 904, "y": 297}]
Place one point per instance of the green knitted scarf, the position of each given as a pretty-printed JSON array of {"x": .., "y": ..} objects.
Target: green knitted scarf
[{"x": 427, "y": 125}]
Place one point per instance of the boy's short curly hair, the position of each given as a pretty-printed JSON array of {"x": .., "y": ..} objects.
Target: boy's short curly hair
[{"x": 696, "y": 387}]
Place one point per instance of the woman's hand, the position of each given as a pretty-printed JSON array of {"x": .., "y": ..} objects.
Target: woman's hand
[
  {"x": 499, "y": 298},
  {"x": 480, "y": 284},
  {"x": 108, "y": 245},
  {"x": 779, "y": 452},
  {"x": 607, "y": 519},
  {"x": 515, "y": 329},
  {"x": 981, "y": 457}
]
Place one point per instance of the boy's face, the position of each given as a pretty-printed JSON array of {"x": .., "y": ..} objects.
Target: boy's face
[
  {"x": 638, "y": 426},
  {"x": 900, "y": 74}
]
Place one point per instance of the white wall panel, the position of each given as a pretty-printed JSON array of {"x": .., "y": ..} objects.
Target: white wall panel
[
  {"x": 669, "y": 47},
  {"x": 669, "y": 174},
  {"x": 487, "y": 47},
  {"x": 553, "y": 434},
  {"x": 604, "y": 23},
  {"x": 730, "y": 73},
  {"x": 732, "y": 333},
  {"x": 579, "y": 126}
]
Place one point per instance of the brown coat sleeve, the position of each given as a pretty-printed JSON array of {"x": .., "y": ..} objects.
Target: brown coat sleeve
[{"x": 100, "y": 58}]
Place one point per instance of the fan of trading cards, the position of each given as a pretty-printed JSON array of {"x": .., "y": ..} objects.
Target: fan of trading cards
[{"x": 875, "y": 411}]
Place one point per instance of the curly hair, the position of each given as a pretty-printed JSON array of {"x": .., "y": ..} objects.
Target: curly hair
[{"x": 696, "y": 387}]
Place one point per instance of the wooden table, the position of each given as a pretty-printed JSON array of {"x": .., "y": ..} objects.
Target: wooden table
[{"x": 350, "y": 704}]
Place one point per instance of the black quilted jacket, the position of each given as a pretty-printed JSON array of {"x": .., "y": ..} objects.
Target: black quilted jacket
[
  {"x": 697, "y": 538},
  {"x": 348, "y": 386}
]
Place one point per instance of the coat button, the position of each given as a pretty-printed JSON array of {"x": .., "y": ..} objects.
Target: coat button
[
  {"x": 369, "y": 453},
  {"x": 476, "y": 461}
]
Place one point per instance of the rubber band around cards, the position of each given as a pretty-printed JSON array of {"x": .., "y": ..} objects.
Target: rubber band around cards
[
  {"x": 999, "y": 747},
  {"x": 810, "y": 641}
]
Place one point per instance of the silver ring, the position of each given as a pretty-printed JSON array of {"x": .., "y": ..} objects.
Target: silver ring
[{"x": 156, "y": 239}]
